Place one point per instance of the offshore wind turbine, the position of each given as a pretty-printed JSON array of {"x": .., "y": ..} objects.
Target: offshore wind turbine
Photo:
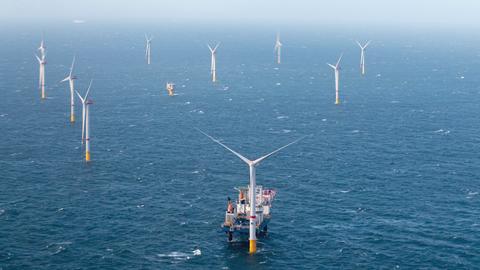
[
  {"x": 86, "y": 121},
  {"x": 213, "y": 66},
  {"x": 148, "y": 48},
  {"x": 362, "y": 56},
  {"x": 336, "y": 68},
  {"x": 278, "y": 49},
  {"x": 71, "y": 78},
  {"x": 251, "y": 165},
  {"x": 42, "y": 62}
]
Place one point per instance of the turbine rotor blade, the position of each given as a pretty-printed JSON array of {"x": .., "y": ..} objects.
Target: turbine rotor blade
[
  {"x": 338, "y": 62},
  {"x": 332, "y": 66},
  {"x": 71, "y": 67},
  {"x": 246, "y": 160},
  {"x": 257, "y": 161},
  {"x": 88, "y": 90},
  {"x": 80, "y": 97}
]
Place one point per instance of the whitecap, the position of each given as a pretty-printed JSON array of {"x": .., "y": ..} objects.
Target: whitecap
[
  {"x": 176, "y": 256},
  {"x": 187, "y": 103},
  {"x": 200, "y": 112},
  {"x": 324, "y": 120},
  {"x": 197, "y": 252},
  {"x": 282, "y": 117},
  {"x": 286, "y": 131},
  {"x": 278, "y": 84},
  {"x": 345, "y": 191},
  {"x": 195, "y": 172}
]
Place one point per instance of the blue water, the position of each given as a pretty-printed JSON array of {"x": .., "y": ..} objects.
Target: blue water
[{"x": 390, "y": 179}]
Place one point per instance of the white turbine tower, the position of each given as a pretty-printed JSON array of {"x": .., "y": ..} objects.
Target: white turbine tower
[
  {"x": 42, "y": 62},
  {"x": 336, "y": 68},
  {"x": 362, "y": 56},
  {"x": 86, "y": 121},
  {"x": 148, "y": 48},
  {"x": 278, "y": 49},
  {"x": 251, "y": 165},
  {"x": 71, "y": 79},
  {"x": 213, "y": 66}
]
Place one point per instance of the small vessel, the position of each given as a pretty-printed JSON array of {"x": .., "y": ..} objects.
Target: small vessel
[
  {"x": 237, "y": 218},
  {"x": 170, "y": 88}
]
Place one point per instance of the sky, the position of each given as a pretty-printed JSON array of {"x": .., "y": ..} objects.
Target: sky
[{"x": 332, "y": 12}]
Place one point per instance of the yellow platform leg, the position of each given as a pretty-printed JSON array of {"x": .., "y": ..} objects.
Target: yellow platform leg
[{"x": 253, "y": 246}]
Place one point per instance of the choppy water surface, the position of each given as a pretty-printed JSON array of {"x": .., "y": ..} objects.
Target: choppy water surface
[{"x": 389, "y": 179}]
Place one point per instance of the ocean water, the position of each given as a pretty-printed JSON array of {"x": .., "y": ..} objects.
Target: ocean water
[{"x": 389, "y": 179}]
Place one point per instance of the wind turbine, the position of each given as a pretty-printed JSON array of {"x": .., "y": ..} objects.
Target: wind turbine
[
  {"x": 213, "y": 67},
  {"x": 362, "y": 56},
  {"x": 336, "y": 68},
  {"x": 71, "y": 78},
  {"x": 251, "y": 165},
  {"x": 42, "y": 62},
  {"x": 148, "y": 48},
  {"x": 278, "y": 48},
  {"x": 86, "y": 121}
]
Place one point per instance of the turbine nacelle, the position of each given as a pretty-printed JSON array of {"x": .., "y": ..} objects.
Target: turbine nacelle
[
  {"x": 364, "y": 46},
  {"x": 214, "y": 49},
  {"x": 148, "y": 39},
  {"x": 337, "y": 65}
]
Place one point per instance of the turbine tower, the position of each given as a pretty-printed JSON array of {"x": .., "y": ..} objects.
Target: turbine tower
[
  {"x": 213, "y": 67},
  {"x": 336, "y": 68},
  {"x": 278, "y": 49},
  {"x": 86, "y": 121},
  {"x": 148, "y": 48},
  {"x": 42, "y": 62},
  {"x": 251, "y": 165},
  {"x": 362, "y": 56},
  {"x": 71, "y": 79}
]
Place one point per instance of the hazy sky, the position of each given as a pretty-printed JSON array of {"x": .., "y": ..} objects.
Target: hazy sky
[{"x": 402, "y": 12}]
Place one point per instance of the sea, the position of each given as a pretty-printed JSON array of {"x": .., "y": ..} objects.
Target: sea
[{"x": 387, "y": 179}]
